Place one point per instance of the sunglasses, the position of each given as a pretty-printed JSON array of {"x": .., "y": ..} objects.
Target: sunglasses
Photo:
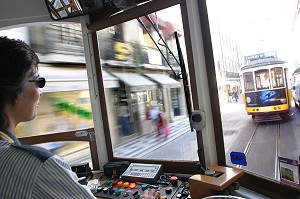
[{"x": 40, "y": 82}]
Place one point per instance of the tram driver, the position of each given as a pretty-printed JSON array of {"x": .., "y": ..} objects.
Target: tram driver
[
  {"x": 29, "y": 171},
  {"x": 265, "y": 82}
]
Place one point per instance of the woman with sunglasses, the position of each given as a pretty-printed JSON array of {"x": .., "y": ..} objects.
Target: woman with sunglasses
[
  {"x": 27, "y": 171},
  {"x": 30, "y": 171}
]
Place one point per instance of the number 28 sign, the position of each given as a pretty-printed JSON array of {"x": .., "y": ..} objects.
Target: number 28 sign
[{"x": 238, "y": 158}]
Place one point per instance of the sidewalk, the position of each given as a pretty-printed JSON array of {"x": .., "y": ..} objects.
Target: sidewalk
[{"x": 145, "y": 144}]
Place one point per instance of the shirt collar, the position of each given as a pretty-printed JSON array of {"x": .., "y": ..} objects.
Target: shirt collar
[{"x": 8, "y": 136}]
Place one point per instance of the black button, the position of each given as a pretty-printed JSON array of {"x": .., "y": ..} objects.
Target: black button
[
  {"x": 105, "y": 190},
  {"x": 168, "y": 190},
  {"x": 99, "y": 189}
]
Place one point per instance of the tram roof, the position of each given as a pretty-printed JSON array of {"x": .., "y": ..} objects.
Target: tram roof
[{"x": 262, "y": 62}]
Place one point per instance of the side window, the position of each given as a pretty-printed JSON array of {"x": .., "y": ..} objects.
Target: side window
[
  {"x": 64, "y": 106},
  {"x": 249, "y": 83}
]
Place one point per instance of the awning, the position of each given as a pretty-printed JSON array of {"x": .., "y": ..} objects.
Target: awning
[
  {"x": 136, "y": 82},
  {"x": 60, "y": 79},
  {"x": 109, "y": 80},
  {"x": 164, "y": 80}
]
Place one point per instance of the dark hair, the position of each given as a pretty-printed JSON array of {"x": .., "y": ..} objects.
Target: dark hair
[{"x": 17, "y": 62}]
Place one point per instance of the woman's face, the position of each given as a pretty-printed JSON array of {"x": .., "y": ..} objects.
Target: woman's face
[{"x": 26, "y": 106}]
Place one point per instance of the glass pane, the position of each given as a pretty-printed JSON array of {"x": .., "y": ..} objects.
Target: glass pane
[
  {"x": 65, "y": 101},
  {"x": 262, "y": 79},
  {"x": 248, "y": 81},
  {"x": 57, "y": 4},
  {"x": 252, "y": 40},
  {"x": 59, "y": 112},
  {"x": 74, "y": 152},
  {"x": 277, "y": 77},
  {"x": 146, "y": 104}
]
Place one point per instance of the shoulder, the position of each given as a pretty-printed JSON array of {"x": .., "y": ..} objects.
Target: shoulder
[{"x": 39, "y": 152}]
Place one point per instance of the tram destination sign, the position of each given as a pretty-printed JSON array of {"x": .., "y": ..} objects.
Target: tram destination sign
[{"x": 253, "y": 57}]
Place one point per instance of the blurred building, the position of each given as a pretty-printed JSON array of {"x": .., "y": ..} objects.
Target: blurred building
[{"x": 133, "y": 71}]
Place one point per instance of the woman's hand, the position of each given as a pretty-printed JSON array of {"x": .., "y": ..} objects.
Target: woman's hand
[{"x": 151, "y": 194}]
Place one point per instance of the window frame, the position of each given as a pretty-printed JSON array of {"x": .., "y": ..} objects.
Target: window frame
[{"x": 94, "y": 26}]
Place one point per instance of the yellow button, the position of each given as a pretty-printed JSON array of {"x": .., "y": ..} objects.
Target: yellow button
[
  {"x": 126, "y": 184},
  {"x": 120, "y": 184}
]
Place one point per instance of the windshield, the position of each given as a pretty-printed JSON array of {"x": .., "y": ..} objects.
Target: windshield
[
  {"x": 262, "y": 79},
  {"x": 277, "y": 77}
]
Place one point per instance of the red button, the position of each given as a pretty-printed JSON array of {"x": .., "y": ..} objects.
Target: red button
[
  {"x": 132, "y": 185},
  {"x": 174, "y": 181},
  {"x": 115, "y": 182}
]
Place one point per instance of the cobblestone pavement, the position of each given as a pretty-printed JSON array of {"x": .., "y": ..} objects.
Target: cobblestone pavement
[{"x": 141, "y": 146}]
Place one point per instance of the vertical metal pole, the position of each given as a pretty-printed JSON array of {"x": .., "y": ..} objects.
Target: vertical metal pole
[{"x": 91, "y": 53}]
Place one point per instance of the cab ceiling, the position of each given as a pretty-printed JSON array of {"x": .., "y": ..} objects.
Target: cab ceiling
[
  {"x": 34, "y": 12},
  {"x": 14, "y": 13}
]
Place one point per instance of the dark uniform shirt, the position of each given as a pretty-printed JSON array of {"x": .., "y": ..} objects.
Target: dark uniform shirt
[{"x": 34, "y": 172}]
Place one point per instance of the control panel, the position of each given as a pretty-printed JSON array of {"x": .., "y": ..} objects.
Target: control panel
[
  {"x": 170, "y": 187},
  {"x": 138, "y": 172},
  {"x": 139, "y": 177}
]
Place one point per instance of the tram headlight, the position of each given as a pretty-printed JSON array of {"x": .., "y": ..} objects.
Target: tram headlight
[
  {"x": 283, "y": 101},
  {"x": 248, "y": 100}
]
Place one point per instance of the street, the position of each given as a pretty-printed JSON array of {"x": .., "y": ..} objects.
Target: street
[{"x": 262, "y": 143}]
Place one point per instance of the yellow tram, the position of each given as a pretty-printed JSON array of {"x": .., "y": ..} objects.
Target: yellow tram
[{"x": 266, "y": 93}]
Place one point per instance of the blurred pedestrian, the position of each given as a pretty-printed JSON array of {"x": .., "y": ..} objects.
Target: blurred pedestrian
[
  {"x": 148, "y": 119},
  {"x": 124, "y": 118},
  {"x": 154, "y": 114},
  {"x": 162, "y": 126},
  {"x": 235, "y": 94},
  {"x": 148, "y": 116}
]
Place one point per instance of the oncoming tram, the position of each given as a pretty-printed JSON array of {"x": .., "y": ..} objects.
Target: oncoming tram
[{"x": 265, "y": 88}]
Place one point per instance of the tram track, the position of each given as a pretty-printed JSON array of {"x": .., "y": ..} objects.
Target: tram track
[
  {"x": 259, "y": 131},
  {"x": 277, "y": 152},
  {"x": 247, "y": 148}
]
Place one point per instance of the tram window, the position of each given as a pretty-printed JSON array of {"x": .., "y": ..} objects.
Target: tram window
[
  {"x": 249, "y": 83},
  {"x": 62, "y": 112},
  {"x": 65, "y": 104},
  {"x": 59, "y": 112},
  {"x": 245, "y": 127},
  {"x": 74, "y": 152},
  {"x": 277, "y": 77},
  {"x": 262, "y": 79},
  {"x": 144, "y": 88}
]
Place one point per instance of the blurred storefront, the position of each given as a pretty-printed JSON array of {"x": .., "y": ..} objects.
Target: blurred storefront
[{"x": 134, "y": 70}]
